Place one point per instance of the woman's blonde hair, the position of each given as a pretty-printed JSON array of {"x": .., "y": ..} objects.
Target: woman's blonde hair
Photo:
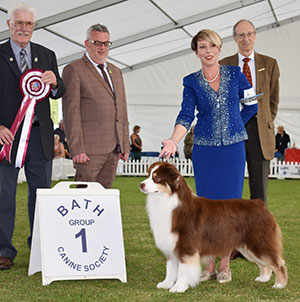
[
  {"x": 206, "y": 35},
  {"x": 280, "y": 129}
]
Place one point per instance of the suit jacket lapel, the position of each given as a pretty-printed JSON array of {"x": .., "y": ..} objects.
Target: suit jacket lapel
[
  {"x": 259, "y": 72},
  {"x": 112, "y": 75},
  {"x": 34, "y": 56},
  {"x": 235, "y": 60},
  {"x": 9, "y": 56},
  {"x": 97, "y": 75}
]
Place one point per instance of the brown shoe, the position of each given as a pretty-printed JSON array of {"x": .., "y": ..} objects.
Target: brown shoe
[{"x": 5, "y": 263}]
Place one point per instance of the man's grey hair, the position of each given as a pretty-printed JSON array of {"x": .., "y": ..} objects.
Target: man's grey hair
[
  {"x": 237, "y": 23},
  {"x": 24, "y": 7},
  {"x": 96, "y": 27}
]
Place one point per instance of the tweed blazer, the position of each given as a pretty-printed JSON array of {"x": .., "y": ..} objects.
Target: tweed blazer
[
  {"x": 95, "y": 119},
  {"x": 11, "y": 97},
  {"x": 267, "y": 82}
]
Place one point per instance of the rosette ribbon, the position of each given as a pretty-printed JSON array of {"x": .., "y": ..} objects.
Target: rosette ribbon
[{"x": 33, "y": 91}]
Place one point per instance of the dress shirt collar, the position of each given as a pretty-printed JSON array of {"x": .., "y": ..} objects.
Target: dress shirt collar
[
  {"x": 95, "y": 64},
  {"x": 241, "y": 57}
]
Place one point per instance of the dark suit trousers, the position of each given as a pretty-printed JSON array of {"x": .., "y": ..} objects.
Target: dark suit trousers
[
  {"x": 38, "y": 174},
  {"x": 258, "y": 167}
]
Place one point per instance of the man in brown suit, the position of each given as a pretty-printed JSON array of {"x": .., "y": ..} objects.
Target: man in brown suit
[
  {"x": 260, "y": 146},
  {"x": 95, "y": 111}
]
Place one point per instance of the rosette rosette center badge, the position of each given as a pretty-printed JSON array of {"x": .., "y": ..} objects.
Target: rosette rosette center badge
[{"x": 32, "y": 85}]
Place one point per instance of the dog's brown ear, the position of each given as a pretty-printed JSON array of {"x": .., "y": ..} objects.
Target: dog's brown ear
[
  {"x": 183, "y": 190},
  {"x": 175, "y": 185}
]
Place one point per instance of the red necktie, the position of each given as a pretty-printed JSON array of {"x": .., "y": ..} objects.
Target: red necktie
[
  {"x": 101, "y": 67},
  {"x": 247, "y": 71}
]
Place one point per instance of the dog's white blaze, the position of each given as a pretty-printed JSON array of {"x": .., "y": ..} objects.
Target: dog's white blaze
[
  {"x": 150, "y": 185},
  {"x": 160, "y": 207}
]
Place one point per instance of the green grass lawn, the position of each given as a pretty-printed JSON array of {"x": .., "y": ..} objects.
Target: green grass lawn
[{"x": 146, "y": 265}]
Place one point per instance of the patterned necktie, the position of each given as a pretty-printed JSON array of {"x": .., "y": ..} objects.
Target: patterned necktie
[
  {"x": 247, "y": 71},
  {"x": 101, "y": 67},
  {"x": 24, "y": 65}
]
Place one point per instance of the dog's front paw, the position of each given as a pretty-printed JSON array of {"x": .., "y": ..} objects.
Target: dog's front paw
[
  {"x": 166, "y": 284},
  {"x": 178, "y": 288}
]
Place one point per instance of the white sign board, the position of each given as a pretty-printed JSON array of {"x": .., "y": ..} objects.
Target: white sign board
[
  {"x": 77, "y": 234},
  {"x": 288, "y": 171}
]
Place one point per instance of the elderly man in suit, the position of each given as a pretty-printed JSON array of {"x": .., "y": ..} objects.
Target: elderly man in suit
[
  {"x": 264, "y": 75},
  {"x": 95, "y": 111},
  {"x": 39, "y": 155}
]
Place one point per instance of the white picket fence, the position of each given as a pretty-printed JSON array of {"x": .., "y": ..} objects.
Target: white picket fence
[
  {"x": 140, "y": 168},
  {"x": 63, "y": 168}
]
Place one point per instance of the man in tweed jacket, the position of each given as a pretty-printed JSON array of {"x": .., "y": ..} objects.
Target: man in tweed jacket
[
  {"x": 95, "y": 111},
  {"x": 260, "y": 146}
]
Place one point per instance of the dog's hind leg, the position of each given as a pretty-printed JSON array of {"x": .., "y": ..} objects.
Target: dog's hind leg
[
  {"x": 189, "y": 272},
  {"x": 281, "y": 274},
  {"x": 265, "y": 273},
  {"x": 263, "y": 264},
  {"x": 171, "y": 274}
]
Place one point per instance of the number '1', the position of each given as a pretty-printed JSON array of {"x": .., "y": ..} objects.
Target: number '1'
[{"x": 82, "y": 233}]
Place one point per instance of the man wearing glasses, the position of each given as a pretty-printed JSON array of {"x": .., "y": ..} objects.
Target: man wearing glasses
[
  {"x": 95, "y": 111},
  {"x": 16, "y": 56},
  {"x": 263, "y": 74}
]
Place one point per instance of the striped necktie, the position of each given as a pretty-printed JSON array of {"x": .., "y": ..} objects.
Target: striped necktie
[
  {"x": 247, "y": 71},
  {"x": 24, "y": 65}
]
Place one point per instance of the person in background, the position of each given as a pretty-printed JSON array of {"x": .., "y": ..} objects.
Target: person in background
[
  {"x": 61, "y": 131},
  {"x": 263, "y": 72},
  {"x": 62, "y": 137},
  {"x": 219, "y": 135},
  {"x": 188, "y": 144},
  {"x": 16, "y": 56},
  {"x": 95, "y": 111},
  {"x": 59, "y": 150},
  {"x": 282, "y": 141},
  {"x": 136, "y": 143}
]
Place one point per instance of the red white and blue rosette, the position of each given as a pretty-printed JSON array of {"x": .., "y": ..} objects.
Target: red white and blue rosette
[{"x": 33, "y": 90}]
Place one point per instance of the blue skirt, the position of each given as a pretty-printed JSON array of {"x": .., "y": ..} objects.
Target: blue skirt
[{"x": 219, "y": 171}]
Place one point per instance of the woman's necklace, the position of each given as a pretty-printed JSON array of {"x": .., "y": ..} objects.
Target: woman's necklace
[{"x": 210, "y": 81}]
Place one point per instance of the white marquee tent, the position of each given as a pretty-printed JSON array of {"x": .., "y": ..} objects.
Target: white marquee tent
[{"x": 151, "y": 41}]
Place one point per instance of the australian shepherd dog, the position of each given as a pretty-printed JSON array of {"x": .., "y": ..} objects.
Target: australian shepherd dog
[{"x": 188, "y": 229}]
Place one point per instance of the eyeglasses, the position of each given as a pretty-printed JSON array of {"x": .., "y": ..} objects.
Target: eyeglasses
[
  {"x": 100, "y": 43},
  {"x": 242, "y": 36},
  {"x": 20, "y": 23}
]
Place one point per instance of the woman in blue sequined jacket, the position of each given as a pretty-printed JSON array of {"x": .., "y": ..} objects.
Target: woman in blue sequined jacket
[{"x": 218, "y": 157}]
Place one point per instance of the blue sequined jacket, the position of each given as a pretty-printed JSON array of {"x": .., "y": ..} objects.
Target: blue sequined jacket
[{"x": 219, "y": 119}]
